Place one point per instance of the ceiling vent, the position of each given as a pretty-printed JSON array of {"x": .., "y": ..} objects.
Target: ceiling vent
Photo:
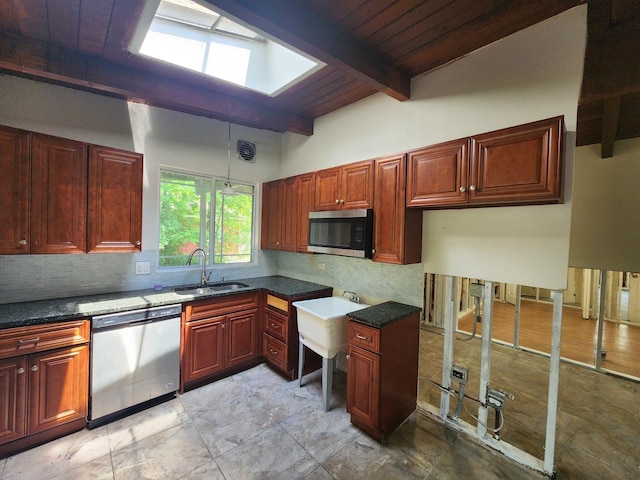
[{"x": 247, "y": 151}]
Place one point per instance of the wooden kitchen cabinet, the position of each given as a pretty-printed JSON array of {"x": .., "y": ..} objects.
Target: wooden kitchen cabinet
[
  {"x": 220, "y": 336},
  {"x": 305, "y": 203},
  {"x": 64, "y": 196},
  {"x": 115, "y": 201},
  {"x": 58, "y": 195},
  {"x": 514, "y": 166},
  {"x": 346, "y": 187},
  {"x": 44, "y": 374},
  {"x": 397, "y": 230},
  {"x": 382, "y": 374},
  {"x": 279, "y": 213},
  {"x": 15, "y": 182},
  {"x": 280, "y": 335}
]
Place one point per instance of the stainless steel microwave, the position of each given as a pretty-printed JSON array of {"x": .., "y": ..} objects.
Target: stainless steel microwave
[{"x": 342, "y": 232}]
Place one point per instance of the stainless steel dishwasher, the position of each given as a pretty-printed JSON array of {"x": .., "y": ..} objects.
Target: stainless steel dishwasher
[{"x": 135, "y": 361}]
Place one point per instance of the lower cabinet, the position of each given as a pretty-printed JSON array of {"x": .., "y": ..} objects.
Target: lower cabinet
[
  {"x": 280, "y": 336},
  {"x": 43, "y": 395},
  {"x": 220, "y": 336},
  {"x": 382, "y": 374}
]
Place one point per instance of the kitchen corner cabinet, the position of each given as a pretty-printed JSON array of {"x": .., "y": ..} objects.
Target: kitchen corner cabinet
[
  {"x": 397, "y": 230},
  {"x": 382, "y": 374},
  {"x": 219, "y": 337},
  {"x": 115, "y": 201},
  {"x": 44, "y": 374},
  {"x": 346, "y": 187},
  {"x": 280, "y": 336},
  {"x": 514, "y": 166},
  {"x": 64, "y": 196},
  {"x": 15, "y": 182}
]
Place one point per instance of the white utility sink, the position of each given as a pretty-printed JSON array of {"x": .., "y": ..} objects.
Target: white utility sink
[{"x": 322, "y": 323}]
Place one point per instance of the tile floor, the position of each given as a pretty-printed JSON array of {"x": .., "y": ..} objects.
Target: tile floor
[{"x": 256, "y": 425}]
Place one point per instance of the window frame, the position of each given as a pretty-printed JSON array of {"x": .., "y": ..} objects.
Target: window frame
[{"x": 255, "y": 234}]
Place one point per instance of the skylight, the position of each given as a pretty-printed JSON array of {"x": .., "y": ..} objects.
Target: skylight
[{"x": 193, "y": 36}]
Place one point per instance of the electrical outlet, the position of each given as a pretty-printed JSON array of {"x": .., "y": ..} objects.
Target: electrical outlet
[
  {"x": 143, "y": 268},
  {"x": 460, "y": 374},
  {"x": 321, "y": 266},
  {"x": 495, "y": 399}
]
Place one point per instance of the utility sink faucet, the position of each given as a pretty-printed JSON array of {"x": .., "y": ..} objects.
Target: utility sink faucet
[
  {"x": 204, "y": 278},
  {"x": 352, "y": 296}
]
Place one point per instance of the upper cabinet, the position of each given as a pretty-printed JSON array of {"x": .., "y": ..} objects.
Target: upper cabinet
[
  {"x": 15, "y": 152},
  {"x": 397, "y": 230},
  {"x": 513, "y": 166},
  {"x": 64, "y": 196},
  {"x": 115, "y": 200},
  {"x": 346, "y": 187},
  {"x": 306, "y": 186}
]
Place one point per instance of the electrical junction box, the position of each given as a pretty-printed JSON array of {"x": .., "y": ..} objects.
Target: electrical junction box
[
  {"x": 495, "y": 399},
  {"x": 460, "y": 374},
  {"x": 476, "y": 290}
]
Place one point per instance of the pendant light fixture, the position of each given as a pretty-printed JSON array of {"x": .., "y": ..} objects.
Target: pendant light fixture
[{"x": 228, "y": 189}]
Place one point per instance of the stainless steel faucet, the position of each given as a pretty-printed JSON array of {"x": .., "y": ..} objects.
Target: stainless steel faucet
[
  {"x": 353, "y": 296},
  {"x": 204, "y": 278}
]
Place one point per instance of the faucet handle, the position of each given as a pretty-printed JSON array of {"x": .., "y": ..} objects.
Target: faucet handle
[{"x": 352, "y": 296}]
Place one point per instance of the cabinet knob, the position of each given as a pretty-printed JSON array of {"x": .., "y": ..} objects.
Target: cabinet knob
[
  {"x": 342, "y": 200},
  {"x": 20, "y": 371},
  {"x": 462, "y": 189},
  {"x": 348, "y": 356},
  {"x": 22, "y": 242},
  {"x": 138, "y": 243},
  {"x": 373, "y": 250},
  {"x": 34, "y": 368},
  {"x": 337, "y": 200},
  {"x": 472, "y": 188}
]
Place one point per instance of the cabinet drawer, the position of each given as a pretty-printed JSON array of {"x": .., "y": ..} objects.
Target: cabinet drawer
[
  {"x": 274, "y": 351},
  {"x": 220, "y": 306},
  {"x": 364, "y": 336},
  {"x": 38, "y": 338},
  {"x": 277, "y": 325},
  {"x": 278, "y": 303}
]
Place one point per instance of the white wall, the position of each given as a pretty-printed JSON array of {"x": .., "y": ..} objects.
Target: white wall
[
  {"x": 605, "y": 231},
  {"x": 165, "y": 138},
  {"x": 531, "y": 75}
]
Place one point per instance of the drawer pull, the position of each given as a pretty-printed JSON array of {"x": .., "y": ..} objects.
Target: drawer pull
[
  {"x": 274, "y": 326},
  {"x": 34, "y": 368},
  {"x": 273, "y": 352},
  {"x": 20, "y": 371},
  {"x": 30, "y": 340},
  {"x": 362, "y": 337}
]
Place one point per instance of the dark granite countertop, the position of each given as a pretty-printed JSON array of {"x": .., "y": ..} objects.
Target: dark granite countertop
[
  {"x": 60, "y": 309},
  {"x": 383, "y": 314}
]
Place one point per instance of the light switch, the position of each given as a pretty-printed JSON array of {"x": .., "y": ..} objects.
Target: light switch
[{"x": 143, "y": 268}]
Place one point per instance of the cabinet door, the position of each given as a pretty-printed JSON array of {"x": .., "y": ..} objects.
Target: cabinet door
[
  {"x": 395, "y": 239},
  {"x": 58, "y": 387},
  {"x": 271, "y": 215},
  {"x": 363, "y": 385},
  {"x": 115, "y": 201},
  {"x": 204, "y": 348},
  {"x": 242, "y": 341},
  {"x": 437, "y": 175},
  {"x": 13, "y": 382},
  {"x": 14, "y": 190},
  {"x": 357, "y": 185},
  {"x": 305, "y": 202},
  {"x": 518, "y": 165},
  {"x": 327, "y": 194},
  {"x": 58, "y": 195},
  {"x": 289, "y": 212}
]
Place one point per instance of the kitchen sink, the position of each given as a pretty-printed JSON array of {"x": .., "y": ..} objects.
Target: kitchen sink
[{"x": 216, "y": 287}]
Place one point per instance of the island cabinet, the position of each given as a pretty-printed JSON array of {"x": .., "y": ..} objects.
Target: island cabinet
[
  {"x": 63, "y": 196},
  {"x": 382, "y": 374},
  {"x": 397, "y": 230},
  {"x": 44, "y": 379},
  {"x": 280, "y": 336},
  {"x": 514, "y": 166},
  {"x": 219, "y": 337},
  {"x": 346, "y": 187}
]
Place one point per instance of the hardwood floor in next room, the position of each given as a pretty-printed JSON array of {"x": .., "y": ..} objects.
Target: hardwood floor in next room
[{"x": 579, "y": 336}]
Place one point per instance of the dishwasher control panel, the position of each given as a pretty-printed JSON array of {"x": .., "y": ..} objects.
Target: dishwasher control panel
[{"x": 153, "y": 313}]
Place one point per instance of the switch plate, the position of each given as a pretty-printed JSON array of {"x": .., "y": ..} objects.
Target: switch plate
[{"x": 143, "y": 268}]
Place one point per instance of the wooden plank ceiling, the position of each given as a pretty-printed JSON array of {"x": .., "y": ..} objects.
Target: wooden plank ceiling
[{"x": 369, "y": 46}]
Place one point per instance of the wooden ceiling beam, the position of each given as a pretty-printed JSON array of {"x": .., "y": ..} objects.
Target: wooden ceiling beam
[
  {"x": 301, "y": 28},
  {"x": 45, "y": 62},
  {"x": 610, "y": 120}
]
